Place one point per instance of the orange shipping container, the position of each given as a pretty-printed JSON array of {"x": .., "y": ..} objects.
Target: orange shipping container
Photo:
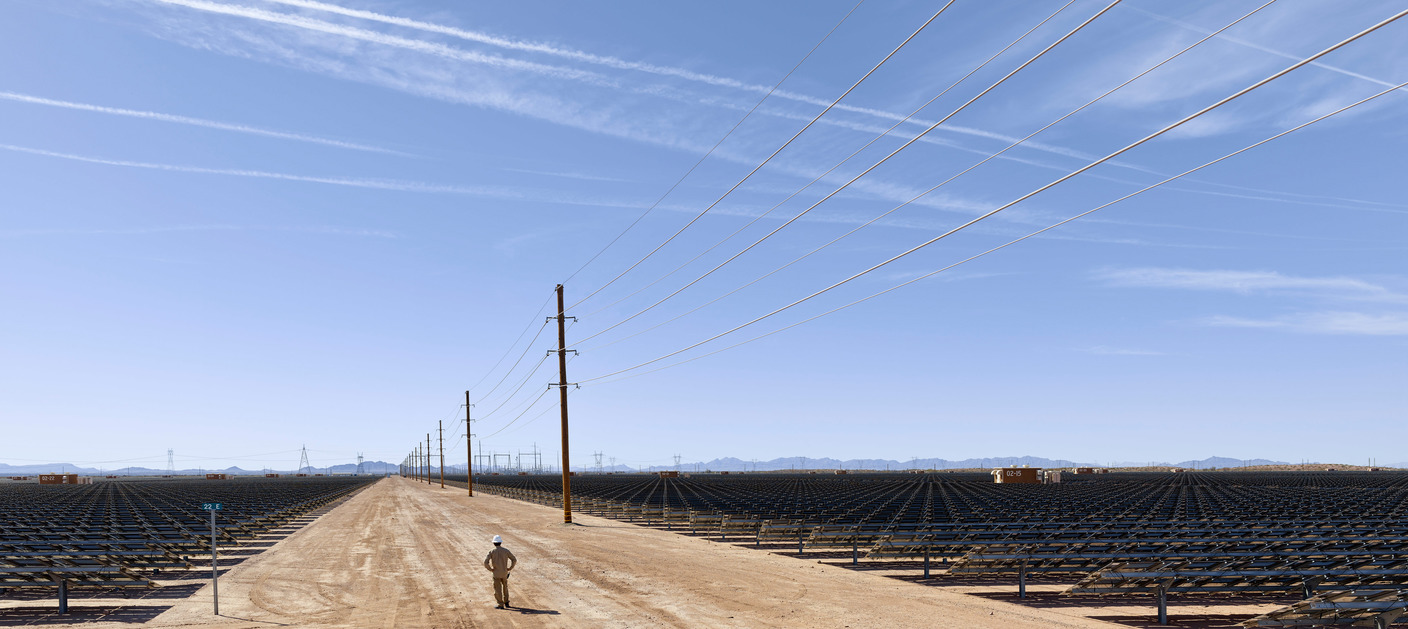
[{"x": 58, "y": 479}]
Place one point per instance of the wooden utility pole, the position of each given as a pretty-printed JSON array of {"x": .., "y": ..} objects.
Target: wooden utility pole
[
  {"x": 562, "y": 389},
  {"x": 442, "y": 454},
  {"x": 468, "y": 439},
  {"x": 427, "y": 458}
]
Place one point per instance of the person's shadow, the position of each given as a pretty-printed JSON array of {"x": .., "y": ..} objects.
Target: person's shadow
[{"x": 530, "y": 610}]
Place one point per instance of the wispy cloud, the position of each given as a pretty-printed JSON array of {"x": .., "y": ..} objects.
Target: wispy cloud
[
  {"x": 1105, "y": 350},
  {"x": 1350, "y": 323},
  {"x": 1260, "y": 48},
  {"x": 198, "y": 122},
  {"x": 421, "y": 46},
  {"x": 565, "y": 175},
  {"x": 602, "y": 114},
  {"x": 1247, "y": 282},
  {"x": 169, "y": 229},
  {"x": 379, "y": 184},
  {"x": 1389, "y": 321}
]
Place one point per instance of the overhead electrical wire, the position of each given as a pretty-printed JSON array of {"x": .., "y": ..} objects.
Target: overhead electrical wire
[
  {"x": 514, "y": 344},
  {"x": 526, "y": 349},
  {"x": 863, "y": 173},
  {"x": 520, "y": 415},
  {"x": 1033, "y": 193},
  {"x": 946, "y": 181},
  {"x": 520, "y": 386},
  {"x": 1023, "y": 238},
  {"x": 769, "y": 157},
  {"x": 530, "y": 406},
  {"x": 716, "y": 144},
  {"x": 848, "y": 158}
]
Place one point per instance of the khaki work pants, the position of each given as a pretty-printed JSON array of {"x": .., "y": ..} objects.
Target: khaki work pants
[{"x": 501, "y": 590}]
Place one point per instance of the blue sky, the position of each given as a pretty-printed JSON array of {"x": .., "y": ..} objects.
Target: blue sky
[{"x": 234, "y": 227}]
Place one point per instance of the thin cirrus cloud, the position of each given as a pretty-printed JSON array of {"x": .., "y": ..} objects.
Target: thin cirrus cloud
[
  {"x": 1105, "y": 350},
  {"x": 375, "y": 37},
  {"x": 1354, "y": 323},
  {"x": 1247, "y": 282},
  {"x": 444, "y": 51},
  {"x": 169, "y": 229},
  {"x": 377, "y": 184},
  {"x": 198, "y": 122},
  {"x": 516, "y": 104},
  {"x": 1260, "y": 48}
]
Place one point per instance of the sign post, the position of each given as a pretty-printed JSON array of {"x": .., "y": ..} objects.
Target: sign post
[{"x": 212, "y": 507}]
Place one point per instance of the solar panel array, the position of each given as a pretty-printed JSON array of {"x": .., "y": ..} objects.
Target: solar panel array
[
  {"x": 1245, "y": 533},
  {"x": 123, "y": 533}
]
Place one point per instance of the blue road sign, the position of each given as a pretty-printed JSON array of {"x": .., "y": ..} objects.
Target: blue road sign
[{"x": 211, "y": 506}]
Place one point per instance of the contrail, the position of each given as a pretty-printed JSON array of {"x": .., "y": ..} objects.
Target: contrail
[
  {"x": 398, "y": 185},
  {"x": 417, "y": 45},
  {"x": 500, "y": 42},
  {"x": 379, "y": 184},
  {"x": 198, "y": 122},
  {"x": 1261, "y": 48}
]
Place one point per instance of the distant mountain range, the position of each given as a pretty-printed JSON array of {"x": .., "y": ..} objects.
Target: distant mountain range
[
  {"x": 368, "y": 467},
  {"x": 730, "y": 464},
  {"x": 727, "y": 464}
]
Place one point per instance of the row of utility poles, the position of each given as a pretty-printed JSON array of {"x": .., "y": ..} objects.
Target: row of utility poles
[{"x": 417, "y": 463}]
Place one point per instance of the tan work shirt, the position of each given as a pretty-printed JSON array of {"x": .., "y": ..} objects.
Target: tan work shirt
[{"x": 500, "y": 560}]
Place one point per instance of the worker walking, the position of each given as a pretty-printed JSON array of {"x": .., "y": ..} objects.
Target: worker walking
[{"x": 500, "y": 561}]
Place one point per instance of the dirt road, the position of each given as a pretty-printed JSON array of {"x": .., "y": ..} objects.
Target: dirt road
[{"x": 402, "y": 554}]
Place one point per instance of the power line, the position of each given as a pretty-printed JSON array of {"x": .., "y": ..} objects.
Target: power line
[
  {"x": 1028, "y": 195},
  {"x": 514, "y": 344},
  {"x": 848, "y": 158},
  {"x": 1015, "y": 241},
  {"x": 716, "y": 144},
  {"x": 863, "y": 173},
  {"x": 540, "y": 414},
  {"x": 768, "y": 159},
  {"x": 520, "y": 415},
  {"x": 944, "y": 182},
  {"x": 508, "y": 373},
  {"x": 516, "y": 390}
]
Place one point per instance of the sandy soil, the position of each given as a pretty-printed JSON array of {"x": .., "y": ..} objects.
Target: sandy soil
[{"x": 404, "y": 554}]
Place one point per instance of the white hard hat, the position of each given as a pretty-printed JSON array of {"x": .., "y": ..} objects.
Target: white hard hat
[{"x": 498, "y": 540}]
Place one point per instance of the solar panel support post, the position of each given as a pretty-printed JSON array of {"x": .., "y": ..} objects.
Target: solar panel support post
[
  {"x": 1163, "y": 605},
  {"x": 1022, "y": 581},
  {"x": 1308, "y": 586},
  {"x": 214, "y": 567},
  {"x": 926, "y": 562},
  {"x": 63, "y": 596}
]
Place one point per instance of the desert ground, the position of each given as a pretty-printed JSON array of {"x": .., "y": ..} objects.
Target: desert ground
[{"x": 407, "y": 554}]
